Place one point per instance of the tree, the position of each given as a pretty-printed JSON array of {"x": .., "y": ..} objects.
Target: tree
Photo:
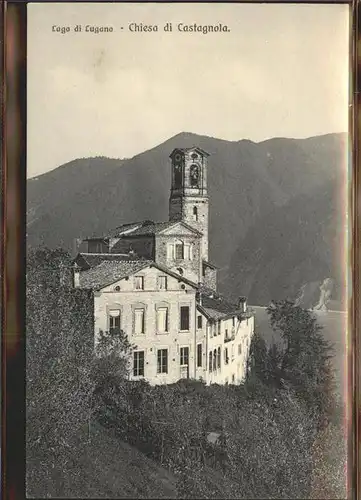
[
  {"x": 59, "y": 336},
  {"x": 112, "y": 356},
  {"x": 61, "y": 370},
  {"x": 305, "y": 360},
  {"x": 256, "y": 362}
]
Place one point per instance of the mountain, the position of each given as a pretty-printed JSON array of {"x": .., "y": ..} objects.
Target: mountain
[
  {"x": 253, "y": 187},
  {"x": 298, "y": 243}
]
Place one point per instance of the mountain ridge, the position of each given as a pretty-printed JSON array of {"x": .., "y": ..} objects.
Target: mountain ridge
[{"x": 247, "y": 181}]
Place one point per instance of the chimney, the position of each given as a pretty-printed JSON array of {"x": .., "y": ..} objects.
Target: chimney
[
  {"x": 76, "y": 276},
  {"x": 76, "y": 244},
  {"x": 242, "y": 304},
  {"x": 131, "y": 252}
]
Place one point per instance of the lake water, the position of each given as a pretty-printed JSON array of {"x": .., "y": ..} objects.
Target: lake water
[{"x": 335, "y": 330}]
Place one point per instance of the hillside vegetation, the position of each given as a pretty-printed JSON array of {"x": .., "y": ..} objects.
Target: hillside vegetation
[{"x": 93, "y": 433}]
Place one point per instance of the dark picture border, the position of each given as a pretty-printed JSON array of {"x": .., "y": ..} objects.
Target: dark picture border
[{"x": 13, "y": 62}]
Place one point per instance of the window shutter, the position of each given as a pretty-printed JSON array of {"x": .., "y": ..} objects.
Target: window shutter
[
  {"x": 139, "y": 321},
  {"x": 169, "y": 251},
  {"x": 187, "y": 251},
  {"x": 162, "y": 319}
]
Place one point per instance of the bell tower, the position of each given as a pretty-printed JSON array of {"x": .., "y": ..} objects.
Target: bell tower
[{"x": 188, "y": 200}]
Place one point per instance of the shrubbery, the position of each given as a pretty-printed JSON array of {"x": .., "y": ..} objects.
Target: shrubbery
[{"x": 271, "y": 429}]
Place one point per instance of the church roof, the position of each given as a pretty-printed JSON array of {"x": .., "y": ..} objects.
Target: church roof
[
  {"x": 146, "y": 228},
  {"x": 88, "y": 260},
  {"x": 108, "y": 272}
]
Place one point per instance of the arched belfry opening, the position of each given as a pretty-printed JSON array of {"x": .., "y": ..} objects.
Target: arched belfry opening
[{"x": 194, "y": 175}]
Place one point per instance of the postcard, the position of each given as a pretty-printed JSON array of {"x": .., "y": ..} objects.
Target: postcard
[{"x": 187, "y": 230}]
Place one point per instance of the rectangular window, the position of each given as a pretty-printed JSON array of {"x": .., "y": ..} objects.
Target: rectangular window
[
  {"x": 162, "y": 319},
  {"x": 179, "y": 251},
  {"x": 226, "y": 359},
  {"x": 184, "y": 356},
  {"x": 184, "y": 318},
  {"x": 232, "y": 351},
  {"x": 163, "y": 283},
  {"x": 162, "y": 361},
  {"x": 199, "y": 322},
  {"x": 114, "y": 320},
  {"x": 233, "y": 378},
  {"x": 210, "y": 361},
  {"x": 219, "y": 357},
  {"x": 139, "y": 321},
  {"x": 199, "y": 356},
  {"x": 233, "y": 321},
  {"x": 139, "y": 282},
  {"x": 138, "y": 364}
]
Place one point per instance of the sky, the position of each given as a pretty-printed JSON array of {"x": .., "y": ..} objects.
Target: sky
[{"x": 280, "y": 71}]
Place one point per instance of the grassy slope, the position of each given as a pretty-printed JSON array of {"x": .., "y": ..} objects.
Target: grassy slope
[{"x": 111, "y": 468}]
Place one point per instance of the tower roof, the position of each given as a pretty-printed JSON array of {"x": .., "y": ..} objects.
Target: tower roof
[
  {"x": 187, "y": 150},
  {"x": 148, "y": 228}
]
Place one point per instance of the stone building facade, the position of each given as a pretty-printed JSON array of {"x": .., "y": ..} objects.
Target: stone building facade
[{"x": 154, "y": 281}]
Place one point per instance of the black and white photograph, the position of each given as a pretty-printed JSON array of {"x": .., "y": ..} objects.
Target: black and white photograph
[{"x": 187, "y": 229}]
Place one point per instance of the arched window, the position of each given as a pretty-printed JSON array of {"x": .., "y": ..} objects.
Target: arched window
[
  {"x": 195, "y": 213},
  {"x": 194, "y": 175},
  {"x": 179, "y": 250},
  {"x": 177, "y": 173}
]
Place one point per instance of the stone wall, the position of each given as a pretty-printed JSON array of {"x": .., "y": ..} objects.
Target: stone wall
[
  {"x": 191, "y": 268},
  {"x": 143, "y": 246},
  {"x": 210, "y": 278}
]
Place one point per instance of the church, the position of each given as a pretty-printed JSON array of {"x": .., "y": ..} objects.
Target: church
[{"x": 154, "y": 281}]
